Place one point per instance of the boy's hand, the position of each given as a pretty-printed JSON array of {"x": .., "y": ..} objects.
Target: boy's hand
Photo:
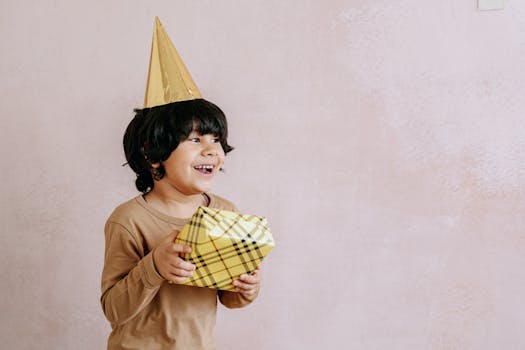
[
  {"x": 168, "y": 262},
  {"x": 248, "y": 285}
]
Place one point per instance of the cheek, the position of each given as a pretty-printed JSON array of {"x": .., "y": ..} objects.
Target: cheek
[{"x": 221, "y": 157}]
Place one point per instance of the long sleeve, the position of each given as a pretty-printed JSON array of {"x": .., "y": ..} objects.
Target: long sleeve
[{"x": 129, "y": 279}]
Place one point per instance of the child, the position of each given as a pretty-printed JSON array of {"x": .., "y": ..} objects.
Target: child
[{"x": 175, "y": 149}]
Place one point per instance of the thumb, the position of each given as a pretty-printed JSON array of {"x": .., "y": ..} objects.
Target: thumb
[
  {"x": 178, "y": 247},
  {"x": 172, "y": 236}
]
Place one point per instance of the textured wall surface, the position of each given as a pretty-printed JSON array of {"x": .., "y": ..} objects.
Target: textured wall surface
[{"x": 383, "y": 140}]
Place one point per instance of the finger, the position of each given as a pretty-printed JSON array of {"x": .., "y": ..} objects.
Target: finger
[
  {"x": 241, "y": 286},
  {"x": 248, "y": 293},
  {"x": 180, "y": 272},
  {"x": 172, "y": 236},
  {"x": 251, "y": 279},
  {"x": 182, "y": 265},
  {"x": 176, "y": 279},
  {"x": 180, "y": 249}
]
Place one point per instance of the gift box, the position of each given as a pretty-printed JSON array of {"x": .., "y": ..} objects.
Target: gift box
[{"x": 224, "y": 246}]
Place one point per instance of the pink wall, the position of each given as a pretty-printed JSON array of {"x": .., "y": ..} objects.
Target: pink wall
[{"x": 383, "y": 139}]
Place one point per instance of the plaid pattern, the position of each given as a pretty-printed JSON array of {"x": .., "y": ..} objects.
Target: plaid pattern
[{"x": 224, "y": 246}]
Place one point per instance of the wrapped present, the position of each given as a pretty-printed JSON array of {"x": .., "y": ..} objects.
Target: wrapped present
[{"x": 224, "y": 246}]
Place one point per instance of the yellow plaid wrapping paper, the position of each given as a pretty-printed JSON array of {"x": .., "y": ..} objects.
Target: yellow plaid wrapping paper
[{"x": 224, "y": 246}]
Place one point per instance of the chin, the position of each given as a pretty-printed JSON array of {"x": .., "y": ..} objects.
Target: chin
[
  {"x": 201, "y": 189},
  {"x": 207, "y": 189}
]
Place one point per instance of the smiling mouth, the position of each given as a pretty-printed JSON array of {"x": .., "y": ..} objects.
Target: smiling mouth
[{"x": 205, "y": 168}]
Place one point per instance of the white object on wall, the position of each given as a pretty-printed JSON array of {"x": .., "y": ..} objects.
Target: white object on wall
[{"x": 491, "y": 5}]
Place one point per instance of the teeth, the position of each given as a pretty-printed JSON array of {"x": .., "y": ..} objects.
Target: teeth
[{"x": 205, "y": 167}]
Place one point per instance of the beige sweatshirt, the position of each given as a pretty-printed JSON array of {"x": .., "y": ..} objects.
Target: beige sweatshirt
[{"x": 145, "y": 311}]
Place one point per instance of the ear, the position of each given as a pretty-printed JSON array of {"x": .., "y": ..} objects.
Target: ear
[{"x": 154, "y": 165}]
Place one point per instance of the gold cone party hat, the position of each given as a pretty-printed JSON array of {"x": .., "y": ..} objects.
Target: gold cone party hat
[{"x": 168, "y": 78}]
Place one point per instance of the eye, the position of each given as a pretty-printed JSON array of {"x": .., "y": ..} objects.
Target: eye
[
  {"x": 216, "y": 140},
  {"x": 194, "y": 139}
]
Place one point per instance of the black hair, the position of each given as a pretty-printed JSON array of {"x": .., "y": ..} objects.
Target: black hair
[{"x": 155, "y": 132}]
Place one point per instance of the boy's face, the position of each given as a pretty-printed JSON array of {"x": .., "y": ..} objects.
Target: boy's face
[{"x": 192, "y": 166}]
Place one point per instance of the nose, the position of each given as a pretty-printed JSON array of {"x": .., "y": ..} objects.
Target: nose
[
  {"x": 210, "y": 152},
  {"x": 210, "y": 149}
]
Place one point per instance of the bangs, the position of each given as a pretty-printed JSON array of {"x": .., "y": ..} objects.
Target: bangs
[
  {"x": 203, "y": 117},
  {"x": 206, "y": 125}
]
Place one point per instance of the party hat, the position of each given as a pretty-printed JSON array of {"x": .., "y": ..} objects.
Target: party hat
[{"x": 168, "y": 78}]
